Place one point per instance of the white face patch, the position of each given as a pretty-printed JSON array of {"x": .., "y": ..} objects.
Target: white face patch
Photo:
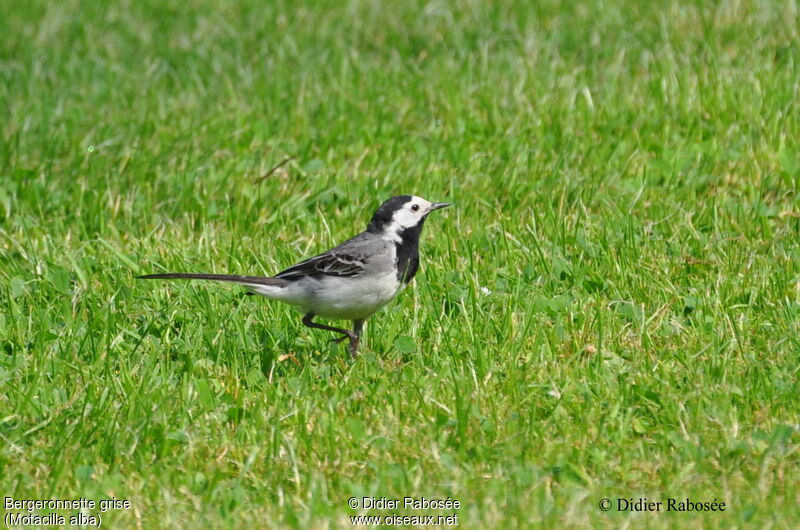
[{"x": 411, "y": 214}]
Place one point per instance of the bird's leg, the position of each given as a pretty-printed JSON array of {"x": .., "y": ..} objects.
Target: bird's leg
[
  {"x": 308, "y": 321},
  {"x": 358, "y": 325}
]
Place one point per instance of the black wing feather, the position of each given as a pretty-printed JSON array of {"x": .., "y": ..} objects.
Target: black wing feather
[
  {"x": 324, "y": 264},
  {"x": 345, "y": 261}
]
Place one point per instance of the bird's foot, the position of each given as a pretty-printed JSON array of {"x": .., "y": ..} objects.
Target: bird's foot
[
  {"x": 354, "y": 340},
  {"x": 337, "y": 340}
]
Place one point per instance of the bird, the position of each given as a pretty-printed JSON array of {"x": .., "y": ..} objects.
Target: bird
[{"x": 351, "y": 281}]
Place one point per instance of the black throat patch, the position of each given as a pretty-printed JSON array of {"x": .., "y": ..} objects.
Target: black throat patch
[{"x": 407, "y": 253}]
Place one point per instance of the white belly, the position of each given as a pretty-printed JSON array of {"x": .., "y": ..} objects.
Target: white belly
[
  {"x": 354, "y": 298},
  {"x": 338, "y": 298}
]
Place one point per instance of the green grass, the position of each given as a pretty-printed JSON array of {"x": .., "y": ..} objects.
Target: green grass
[{"x": 610, "y": 310}]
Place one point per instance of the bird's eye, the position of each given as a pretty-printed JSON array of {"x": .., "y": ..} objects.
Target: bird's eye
[{"x": 415, "y": 207}]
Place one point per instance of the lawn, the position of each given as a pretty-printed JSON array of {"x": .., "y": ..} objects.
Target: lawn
[{"x": 611, "y": 309}]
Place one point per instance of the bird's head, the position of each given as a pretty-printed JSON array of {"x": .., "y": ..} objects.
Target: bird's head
[{"x": 404, "y": 214}]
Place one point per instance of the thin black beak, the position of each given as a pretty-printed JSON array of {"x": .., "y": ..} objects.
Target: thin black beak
[{"x": 437, "y": 205}]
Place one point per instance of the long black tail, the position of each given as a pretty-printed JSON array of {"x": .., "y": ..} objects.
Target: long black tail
[{"x": 233, "y": 278}]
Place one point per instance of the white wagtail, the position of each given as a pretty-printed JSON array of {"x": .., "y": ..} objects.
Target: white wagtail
[{"x": 353, "y": 280}]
